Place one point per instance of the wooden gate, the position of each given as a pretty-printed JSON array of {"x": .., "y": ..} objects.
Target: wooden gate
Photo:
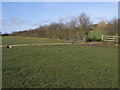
[{"x": 110, "y": 38}]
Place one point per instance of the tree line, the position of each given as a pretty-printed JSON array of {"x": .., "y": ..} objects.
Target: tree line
[{"x": 79, "y": 26}]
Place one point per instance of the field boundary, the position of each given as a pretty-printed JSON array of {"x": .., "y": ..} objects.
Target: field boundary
[
  {"x": 50, "y": 44},
  {"x": 37, "y": 44}
]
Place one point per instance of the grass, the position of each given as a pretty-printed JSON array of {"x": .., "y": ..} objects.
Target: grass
[
  {"x": 10, "y": 40},
  {"x": 66, "y": 66}
]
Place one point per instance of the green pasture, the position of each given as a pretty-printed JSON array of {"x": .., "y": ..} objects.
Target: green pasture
[
  {"x": 12, "y": 40},
  {"x": 58, "y": 66}
]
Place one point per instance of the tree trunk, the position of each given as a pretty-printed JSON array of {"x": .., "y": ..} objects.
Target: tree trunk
[{"x": 84, "y": 38}]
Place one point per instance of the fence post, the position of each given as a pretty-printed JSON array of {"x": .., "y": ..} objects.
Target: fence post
[{"x": 102, "y": 38}]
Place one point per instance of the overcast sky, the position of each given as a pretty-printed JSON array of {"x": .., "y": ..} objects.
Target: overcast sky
[{"x": 18, "y": 16}]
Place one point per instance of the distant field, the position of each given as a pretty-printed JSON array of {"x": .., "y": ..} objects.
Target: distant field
[
  {"x": 9, "y": 40},
  {"x": 58, "y": 66}
]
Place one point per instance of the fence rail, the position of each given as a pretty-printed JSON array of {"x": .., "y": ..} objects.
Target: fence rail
[{"x": 108, "y": 38}]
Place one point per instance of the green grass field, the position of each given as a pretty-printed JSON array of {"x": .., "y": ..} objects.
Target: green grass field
[
  {"x": 10, "y": 40},
  {"x": 58, "y": 66}
]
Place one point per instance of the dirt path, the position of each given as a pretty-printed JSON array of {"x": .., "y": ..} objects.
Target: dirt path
[
  {"x": 44, "y": 44},
  {"x": 37, "y": 44}
]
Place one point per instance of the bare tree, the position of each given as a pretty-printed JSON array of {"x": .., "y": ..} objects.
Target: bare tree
[
  {"x": 72, "y": 24},
  {"x": 85, "y": 24},
  {"x": 112, "y": 27}
]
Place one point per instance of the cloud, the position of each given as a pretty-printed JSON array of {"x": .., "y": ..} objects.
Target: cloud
[
  {"x": 66, "y": 18},
  {"x": 56, "y": 19},
  {"x": 3, "y": 23},
  {"x": 101, "y": 19},
  {"x": 0, "y": 23},
  {"x": 46, "y": 21},
  {"x": 43, "y": 22},
  {"x": 63, "y": 17},
  {"x": 13, "y": 21}
]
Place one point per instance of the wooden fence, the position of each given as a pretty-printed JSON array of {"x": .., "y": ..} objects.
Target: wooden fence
[{"x": 108, "y": 38}]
